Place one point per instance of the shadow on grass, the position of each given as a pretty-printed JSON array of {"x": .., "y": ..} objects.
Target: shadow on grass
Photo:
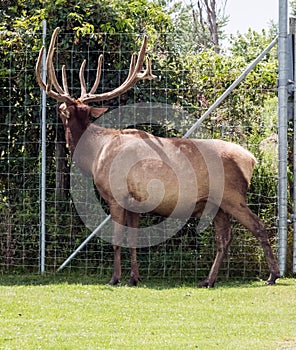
[{"x": 35, "y": 279}]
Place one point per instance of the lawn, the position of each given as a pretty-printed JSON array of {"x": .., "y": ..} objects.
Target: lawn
[{"x": 66, "y": 312}]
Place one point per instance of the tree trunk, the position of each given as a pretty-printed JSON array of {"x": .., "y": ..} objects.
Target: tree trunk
[
  {"x": 209, "y": 24},
  {"x": 62, "y": 167}
]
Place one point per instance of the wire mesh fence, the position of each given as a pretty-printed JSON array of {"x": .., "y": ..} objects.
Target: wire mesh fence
[{"x": 188, "y": 254}]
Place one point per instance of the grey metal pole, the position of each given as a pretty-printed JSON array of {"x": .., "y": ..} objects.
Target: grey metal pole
[
  {"x": 94, "y": 233},
  {"x": 43, "y": 160},
  {"x": 231, "y": 87},
  {"x": 282, "y": 134},
  {"x": 294, "y": 167},
  {"x": 294, "y": 153}
]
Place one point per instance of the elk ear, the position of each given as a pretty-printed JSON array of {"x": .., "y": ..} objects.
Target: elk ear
[{"x": 96, "y": 112}]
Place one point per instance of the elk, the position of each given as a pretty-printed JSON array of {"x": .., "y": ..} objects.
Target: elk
[{"x": 212, "y": 175}]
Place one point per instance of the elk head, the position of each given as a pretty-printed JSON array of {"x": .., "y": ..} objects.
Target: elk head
[{"x": 75, "y": 113}]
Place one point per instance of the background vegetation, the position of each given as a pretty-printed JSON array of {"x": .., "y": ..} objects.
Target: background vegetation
[{"x": 193, "y": 69}]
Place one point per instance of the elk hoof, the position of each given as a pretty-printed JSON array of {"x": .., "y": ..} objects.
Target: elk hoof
[
  {"x": 269, "y": 283},
  {"x": 114, "y": 281},
  {"x": 133, "y": 282},
  {"x": 271, "y": 280},
  {"x": 206, "y": 284}
]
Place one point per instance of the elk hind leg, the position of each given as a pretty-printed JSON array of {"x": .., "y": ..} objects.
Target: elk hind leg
[
  {"x": 251, "y": 221},
  {"x": 223, "y": 236}
]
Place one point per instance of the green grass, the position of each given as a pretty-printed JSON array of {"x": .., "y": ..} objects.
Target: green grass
[{"x": 50, "y": 312}]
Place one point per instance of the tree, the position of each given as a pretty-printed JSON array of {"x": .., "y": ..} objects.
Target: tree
[
  {"x": 211, "y": 19},
  {"x": 200, "y": 24}
]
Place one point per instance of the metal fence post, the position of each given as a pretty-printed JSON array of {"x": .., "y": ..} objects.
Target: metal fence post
[
  {"x": 293, "y": 29},
  {"x": 43, "y": 162},
  {"x": 282, "y": 134}
]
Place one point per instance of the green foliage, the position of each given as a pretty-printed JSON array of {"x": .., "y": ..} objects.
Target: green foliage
[
  {"x": 292, "y": 4},
  {"x": 248, "y": 46},
  {"x": 210, "y": 74}
]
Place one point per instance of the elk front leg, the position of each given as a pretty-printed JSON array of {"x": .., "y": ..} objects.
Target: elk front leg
[
  {"x": 223, "y": 237},
  {"x": 118, "y": 218},
  {"x": 132, "y": 220}
]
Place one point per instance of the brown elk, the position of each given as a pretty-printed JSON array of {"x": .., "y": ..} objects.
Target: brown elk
[{"x": 212, "y": 175}]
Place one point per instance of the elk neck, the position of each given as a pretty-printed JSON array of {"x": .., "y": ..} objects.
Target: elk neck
[
  {"x": 75, "y": 119},
  {"x": 88, "y": 145},
  {"x": 83, "y": 138}
]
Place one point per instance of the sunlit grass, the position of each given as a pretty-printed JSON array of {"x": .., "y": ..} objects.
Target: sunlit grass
[{"x": 68, "y": 313}]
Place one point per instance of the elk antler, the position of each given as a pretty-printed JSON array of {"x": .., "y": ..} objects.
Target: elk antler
[
  {"x": 62, "y": 94},
  {"x": 135, "y": 74}
]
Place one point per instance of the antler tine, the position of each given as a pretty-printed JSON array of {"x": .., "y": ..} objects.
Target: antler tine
[
  {"x": 141, "y": 56},
  {"x": 134, "y": 75},
  {"x": 132, "y": 66},
  {"x": 98, "y": 75},
  {"x": 65, "y": 83},
  {"x": 38, "y": 68},
  {"x": 52, "y": 78},
  {"x": 84, "y": 93},
  {"x": 82, "y": 80},
  {"x": 40, "y": 81},
  {"x": 147, "y": 74}
]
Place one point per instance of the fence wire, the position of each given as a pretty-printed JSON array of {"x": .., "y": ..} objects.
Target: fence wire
[{"x": 186, "y": 255}]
